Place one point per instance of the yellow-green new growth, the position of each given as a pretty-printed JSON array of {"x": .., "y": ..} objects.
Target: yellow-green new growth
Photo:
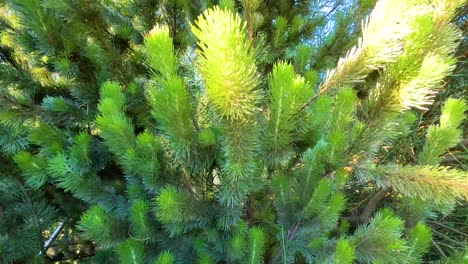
[
  {"x": 380, "y": 241},
  {"x": 227, "y": 63},
  {"x": 429, "y": 183},
  {"x": 441, "y": 137},
  {"x": 160, "y": 52},
  {"x": 344, "y": 252},
  {"x": 381, "y": 42},
  {"x": 420, "y": 91},
  {"x": 445, "y": 10},
  {"x": 412, "y": 80}
]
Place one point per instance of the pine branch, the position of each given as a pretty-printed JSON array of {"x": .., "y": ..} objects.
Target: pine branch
[
  {"x": 438, "y": 248},
  {"x": 381, "y": 241},
  {"x": 374, "y": 50},
  {"x": 309, "y": 101},
  {"x": 453, "y": 159},
  {"x": 430, "y": 183},
  {"x": 250, "y": 6},
  {"x": 252, "y": 150},
  {"x": 227, "y": 64},
  {"x": 291, "y": 233},
  {"x": 370, "y": 208},
  {"x": 188, "y": 183}
]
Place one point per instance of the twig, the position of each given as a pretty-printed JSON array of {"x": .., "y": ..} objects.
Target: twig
[
  {"x": 447, "y": 227},
  {"x": 462, "y": 145},
  {"x": 249, "y": 23},
  {"x": 440, "y": 250},
  {"x": 451, "y": 160},
  {"x": 188, "y": 183},
  {"x": 448, "y": 238},
  {"x": 304, "y": 106},
  {"x": 323, "y": 89},
  {"x": 54, "y": 235},
  {"x": 291, "y": 233}
]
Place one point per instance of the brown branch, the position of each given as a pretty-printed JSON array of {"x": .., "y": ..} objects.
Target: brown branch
[
  {"x": 304, "y": 106},
  {"x": 187, "y": 183},
  {"x": 174, "y": 22},
  {"x": 369, "y": 209},
  {"x": 249, "y": 24},
  {"x": 451, "y": 160},
  {"x": 463, "y": 144},
  {"x": 249, "y": 11},
  {"x": 249, "y": 212}
]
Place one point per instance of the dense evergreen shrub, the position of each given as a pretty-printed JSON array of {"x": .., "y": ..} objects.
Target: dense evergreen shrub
[{"x": 147, "y": 131}]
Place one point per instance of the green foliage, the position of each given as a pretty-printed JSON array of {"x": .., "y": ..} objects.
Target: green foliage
[
  {"x": 458, "y": 257},
  {"x": 116, "y": 128},
  {"x": 445, "y": 135},
  {"x": 131, "y": 252},
  {"x": 227, "y": 63},
  {"x": 344, "y": 252},
  {"x": 288, "y": 93},
  {"x": 170, "y": 204},
  {"x": 419, "y": 181},
  {"x": 380, "y": 241},
  {"x": 139, "y": 218},
  {"x": 97, "y": 225},
  {"x": 160, "y": 52},
  {"x": 419, "y": 239},
  {"x": 256, "y": 246},
  {"x": 33, "y": 169},
  {"x": 168, "y": 97},
  {"x": 329, "y": 217},
  {"x": 316, "y": 203},
  {"x": 164, "y": 258}
]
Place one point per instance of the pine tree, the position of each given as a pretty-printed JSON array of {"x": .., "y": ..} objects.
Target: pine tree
[{"x": 224, "y": 131}]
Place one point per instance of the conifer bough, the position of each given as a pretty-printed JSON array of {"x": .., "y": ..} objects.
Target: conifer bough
[{"x": 189, "y": 132}]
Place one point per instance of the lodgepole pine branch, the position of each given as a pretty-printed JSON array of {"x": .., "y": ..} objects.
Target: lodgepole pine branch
[
  {"x": 291, "y": 233},
  {"x": 369, "y": 209}
]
